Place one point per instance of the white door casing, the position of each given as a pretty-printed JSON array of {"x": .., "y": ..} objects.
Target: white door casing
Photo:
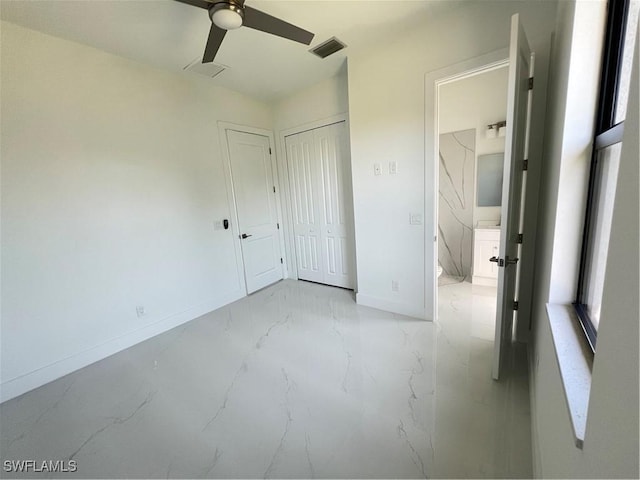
[
  {"x": 434, "y": 81},
  {"x": 516, "y": 151},
  {"x": 255, "y": 198},
  {"x": 317, "y": 162}
]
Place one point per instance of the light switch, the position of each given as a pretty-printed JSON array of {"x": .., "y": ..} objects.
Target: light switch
[
  {"x": 393, "y": 167},
  {"x": 377, "y": 169}
]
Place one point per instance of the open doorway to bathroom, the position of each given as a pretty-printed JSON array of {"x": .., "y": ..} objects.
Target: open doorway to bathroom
[{"x": 470, "y": 125}]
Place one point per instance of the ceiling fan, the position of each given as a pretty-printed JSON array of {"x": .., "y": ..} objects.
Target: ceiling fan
[{"x": 231, "y": 14}]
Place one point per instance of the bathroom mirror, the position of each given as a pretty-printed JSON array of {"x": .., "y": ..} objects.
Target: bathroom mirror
[{"x": 489, "y": 180}]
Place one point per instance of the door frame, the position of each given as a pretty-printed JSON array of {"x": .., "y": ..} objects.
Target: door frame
[
  {"x": 223, "y": 127},
  {"x": 433, "y": 81},
  {"x": 290, "y": 251}
]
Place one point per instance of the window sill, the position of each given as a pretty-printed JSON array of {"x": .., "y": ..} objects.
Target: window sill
[{"x": 574, "y": 361}]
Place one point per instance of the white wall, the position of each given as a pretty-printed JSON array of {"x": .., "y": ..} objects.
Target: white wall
[
  {"x": 611, "y": 442},
  {"x": 111, "y": 182},
  {"x": 475, "y": 102},
  {"x": 323, "y": 100},
  {"x": 387, "y": 115}
]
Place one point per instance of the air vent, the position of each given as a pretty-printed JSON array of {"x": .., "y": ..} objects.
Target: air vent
[
  {"x": 208, "y": 69},
  {"x": 327, "y": 48}
]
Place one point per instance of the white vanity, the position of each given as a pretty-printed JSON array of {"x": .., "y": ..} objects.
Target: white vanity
[{"x": 486, "y": 244}]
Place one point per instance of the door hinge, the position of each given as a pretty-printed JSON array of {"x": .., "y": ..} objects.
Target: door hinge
[
  {"x": 274, "y": 189},
  {"x": 530, "y": 83},
  {"x": 516, "y": 305},
  {"x": 281, "y": 260},
  {"x": 525, "y": 165},
  {"x": 278, "y": 225},
  {"x": 269, "y": 150},
  {"x": 520, "y": 238}
]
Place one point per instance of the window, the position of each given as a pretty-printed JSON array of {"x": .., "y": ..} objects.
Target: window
[{"x": 622, "y": 27}]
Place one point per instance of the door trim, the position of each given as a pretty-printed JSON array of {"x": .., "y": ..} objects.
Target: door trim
[
  {"x": 283, "y": 171},
  {"x": 223, "y": 127},
  {"x": 433, "y": 81}
]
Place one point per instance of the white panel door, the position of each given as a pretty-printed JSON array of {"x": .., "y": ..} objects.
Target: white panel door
[
  {"x": 516, "y": 150},
  {"x": 321, "y": 200},
  {"x": 254, "y": 192},
  {"x": 330, "y": 143},
  {"x": 303, "y": 180}
]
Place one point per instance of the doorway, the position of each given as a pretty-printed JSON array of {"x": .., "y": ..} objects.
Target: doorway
[
  {"x": 471, "y": 144},
  {"x": 520, "y": 61},
  {"x": 471, "y": 153},
  {"x": 251, "y": 169}
]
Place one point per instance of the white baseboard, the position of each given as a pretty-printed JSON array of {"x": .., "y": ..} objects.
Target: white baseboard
[
  {"x": 394, "y": 307},
  {"x": 24, "y": 383},
  {"x": 535, "y": 445}
]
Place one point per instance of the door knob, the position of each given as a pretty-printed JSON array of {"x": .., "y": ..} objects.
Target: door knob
[
  {"x": 501, "y": 263},
  {"x": 497, "y": 260},
  {"x": 244, "y": 235},
  {"x": 511, "y": 261}
]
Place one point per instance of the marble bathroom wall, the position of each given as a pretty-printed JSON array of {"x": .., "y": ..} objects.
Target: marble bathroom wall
[{"x": 456, "y": 201}]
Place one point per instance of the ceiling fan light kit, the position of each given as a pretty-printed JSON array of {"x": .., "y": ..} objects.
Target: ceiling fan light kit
[
  {"x": 231, "y": 14},
  {"x": 227, "y": 16}
]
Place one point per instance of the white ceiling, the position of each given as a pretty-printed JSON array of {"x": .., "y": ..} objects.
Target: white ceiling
[{"x": 172, "y": 35}]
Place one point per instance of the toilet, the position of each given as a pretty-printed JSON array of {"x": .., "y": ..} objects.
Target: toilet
[{"x": 439, "y": 269}]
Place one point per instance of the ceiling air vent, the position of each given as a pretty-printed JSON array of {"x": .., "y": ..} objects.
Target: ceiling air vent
[
  {"x": 327, "y": 48},
  {"x": 208, "y": 69}
]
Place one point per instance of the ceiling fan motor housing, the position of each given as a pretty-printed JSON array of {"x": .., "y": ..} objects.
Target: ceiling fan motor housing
[{"x": 227, "y": 15}]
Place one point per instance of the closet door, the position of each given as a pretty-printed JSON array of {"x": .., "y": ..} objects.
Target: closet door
[
  {"x": 331, "y": 149},
  {"x": 321, "y": 198},
  {"x": 303, "y": 180}
]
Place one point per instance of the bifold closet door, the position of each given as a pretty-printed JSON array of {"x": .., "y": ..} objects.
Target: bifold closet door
[
  {"x": 321, "y": 200},
  {"x": 303, "y": 180},
  {"x": 335, "y": 186}
]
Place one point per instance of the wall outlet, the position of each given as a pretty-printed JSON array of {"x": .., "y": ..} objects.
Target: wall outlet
[
  {"x": 377, "y": 169},
  {"x": 140, "y": 311},
  {"x": 395, "y": 287},
  {"x": 415, "y": 219},
  {"x": 393, "y": 167}
]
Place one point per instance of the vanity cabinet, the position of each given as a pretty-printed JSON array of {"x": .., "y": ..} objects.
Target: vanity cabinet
[{"x": 486, "y": 244}]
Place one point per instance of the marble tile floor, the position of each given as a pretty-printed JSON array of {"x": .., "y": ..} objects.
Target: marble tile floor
[{"x": 294, "y": 381}]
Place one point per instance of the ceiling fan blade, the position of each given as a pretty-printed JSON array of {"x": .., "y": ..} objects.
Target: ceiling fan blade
[
  {"x": 216, "y": 35},
  {"x": 197, "y": 3},
  {"x": 266, "y": 23}
]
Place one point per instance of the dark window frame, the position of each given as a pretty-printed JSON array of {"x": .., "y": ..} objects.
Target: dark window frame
[{"x": 606, "y": 134}]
